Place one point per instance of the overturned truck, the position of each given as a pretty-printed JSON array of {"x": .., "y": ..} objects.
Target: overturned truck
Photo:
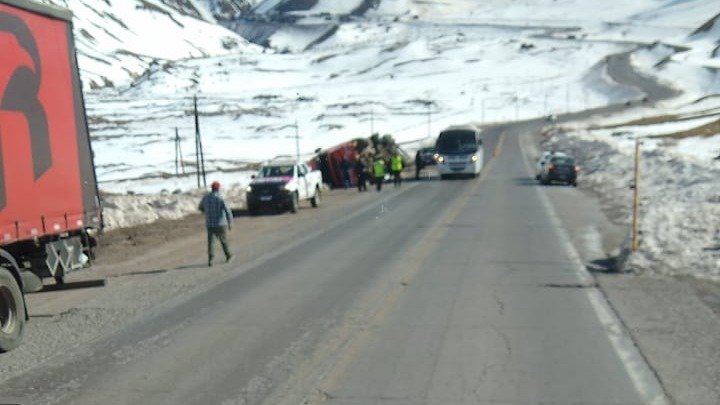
[{"x": 49, "y": 204}]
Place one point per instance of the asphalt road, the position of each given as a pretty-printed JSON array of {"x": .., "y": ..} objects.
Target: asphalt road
[
  {"x": 440, "y": 292},
  {"x": 621, "y": 70}
]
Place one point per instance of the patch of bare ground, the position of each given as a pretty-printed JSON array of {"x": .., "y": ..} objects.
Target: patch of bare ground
[{"x": 706, "y": 130}]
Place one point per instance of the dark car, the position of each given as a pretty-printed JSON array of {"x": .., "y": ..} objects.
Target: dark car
[
  {"x": 426, "y": 157},
  {"x": 560, "y": 169}
]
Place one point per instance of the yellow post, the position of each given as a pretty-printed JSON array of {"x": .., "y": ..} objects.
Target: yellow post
[{"x": 636, "y": 200}]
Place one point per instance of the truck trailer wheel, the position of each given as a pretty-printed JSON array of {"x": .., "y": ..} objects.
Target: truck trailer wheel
[
  {"x": 315, "y": 200},
  {"x": 12, "y": 312}
]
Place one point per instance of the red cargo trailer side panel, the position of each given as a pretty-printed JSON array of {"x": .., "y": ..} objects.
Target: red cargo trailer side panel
[{"x": 47, "y": 182}]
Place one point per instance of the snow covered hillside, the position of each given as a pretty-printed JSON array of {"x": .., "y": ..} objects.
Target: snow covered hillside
[
  {"x": 340, "y": 70},
  {"x": 117, "y": 41}
]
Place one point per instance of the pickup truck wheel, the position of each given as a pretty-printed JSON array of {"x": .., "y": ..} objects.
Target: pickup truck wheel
[
  {"x": 12, "y": 312},
  {"x": 315, "y": 200},
  {"x": 294, "y": 203}
]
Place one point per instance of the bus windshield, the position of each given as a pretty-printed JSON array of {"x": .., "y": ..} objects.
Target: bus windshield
[{"x": 456, "y": 142}]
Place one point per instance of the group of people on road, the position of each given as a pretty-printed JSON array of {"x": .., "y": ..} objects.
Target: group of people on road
[{"x": 377, "y": 170}]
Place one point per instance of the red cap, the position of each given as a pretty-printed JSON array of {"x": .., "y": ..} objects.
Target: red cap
[{"x": 215, "y": 185}]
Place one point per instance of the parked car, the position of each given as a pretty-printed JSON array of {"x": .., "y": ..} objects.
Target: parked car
[
  {"x": 544, "y": 158},
  {"x": 561, "y": 169},
  {"x": 282, "y": 185},
  {"x": 426, "y": 156}
]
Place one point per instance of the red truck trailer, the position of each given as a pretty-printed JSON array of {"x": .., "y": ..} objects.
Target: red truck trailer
[
  {"x": 330, "y": 163},
  {"x": 49, "y": 203}
]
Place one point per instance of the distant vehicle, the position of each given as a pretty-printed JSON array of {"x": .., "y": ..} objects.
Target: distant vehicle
[
  {"x": 561, "y": 169},
  {"x": 282, "y": 185},
  {"x": 49, "y": 204},
  {"x": 544, "y": 158},
  {"x": 428, "y": 156},
  {"x": 459, "y": 152}
]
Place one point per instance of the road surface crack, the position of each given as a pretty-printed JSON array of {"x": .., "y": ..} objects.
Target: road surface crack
[
  {"x": 499, "y": 302},
  {"x": 570, "y": 285}
]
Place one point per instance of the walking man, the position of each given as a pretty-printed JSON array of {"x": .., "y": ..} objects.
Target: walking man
[
  {"x": 218, "y": 220},
  {"x": 379, "y": 171},
  {"x": 419, "y": 164},
  {"x": 345, "y": 168},
  {"x": 360, "y": 171},
  {"x": 396, "y": 165}
]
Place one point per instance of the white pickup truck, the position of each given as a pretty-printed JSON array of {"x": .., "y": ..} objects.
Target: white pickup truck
[{"x": 282, "y": 185}]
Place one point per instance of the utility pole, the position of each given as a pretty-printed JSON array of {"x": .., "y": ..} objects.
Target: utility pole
[
  {"x": 200, "y": 160},
  {"x": 482, "y": 119},
  {"x": 297, "y": 141},
  {"x": 372, "y": 122},
  {"x": 179, "y": 164},
  {"x": 429, "y": 119},
  {"x": 636, "y": 200},
  {"x": 567, "y": 97}
]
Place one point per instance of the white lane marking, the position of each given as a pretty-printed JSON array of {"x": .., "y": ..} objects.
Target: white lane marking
[{"x": 643, "y": 379}]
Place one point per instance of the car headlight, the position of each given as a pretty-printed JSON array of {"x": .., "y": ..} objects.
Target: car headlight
[
  {"x": 474, "y": 158},
  {"x": 440, "y": 158},
  {"x": 248, "y": 189}
]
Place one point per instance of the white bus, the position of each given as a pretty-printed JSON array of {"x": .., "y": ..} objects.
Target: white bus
[{"x": 460, "y": 152}]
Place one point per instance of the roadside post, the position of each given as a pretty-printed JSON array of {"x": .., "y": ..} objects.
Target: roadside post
[{"x": 636, "y": 199}]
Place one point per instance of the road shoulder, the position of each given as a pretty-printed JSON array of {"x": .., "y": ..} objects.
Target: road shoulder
[
  {"x": 141, "y": 270},
  {"x": 674, "y": 321}
]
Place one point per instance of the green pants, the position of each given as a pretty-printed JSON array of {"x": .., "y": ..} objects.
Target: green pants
[{"x": 219, "y": 232}]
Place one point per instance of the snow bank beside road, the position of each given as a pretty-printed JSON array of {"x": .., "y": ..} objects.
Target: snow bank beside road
[
  {"x": 680, "y": 195},
  {"x": 122, "y": 211}
]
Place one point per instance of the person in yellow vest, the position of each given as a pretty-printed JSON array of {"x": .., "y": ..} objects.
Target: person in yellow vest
[
  {"x": 396, "y": 165},
  {"x": 379, "y": 171}
]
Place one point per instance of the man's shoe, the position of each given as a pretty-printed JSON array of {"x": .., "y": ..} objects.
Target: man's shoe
[{"x": 209, "y": 263}]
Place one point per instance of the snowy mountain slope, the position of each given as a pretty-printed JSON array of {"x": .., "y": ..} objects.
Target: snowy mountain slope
[
  {"x": 228, "y": 9},
  {"x": 410, "y": 68},
  {"x": 117, "y": 41},
  {"x": 464, "y": 70}
]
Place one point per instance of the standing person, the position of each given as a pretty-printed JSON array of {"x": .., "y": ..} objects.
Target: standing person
[
  {"x": 218, "y": 220},
  {"x": 345, "y": 168},
  {"x": 379, "y": 171},
  {"x": 396, "y": 165},
  {"x": 360, "y": 170},
  {"x": 419, "y": 164}
]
